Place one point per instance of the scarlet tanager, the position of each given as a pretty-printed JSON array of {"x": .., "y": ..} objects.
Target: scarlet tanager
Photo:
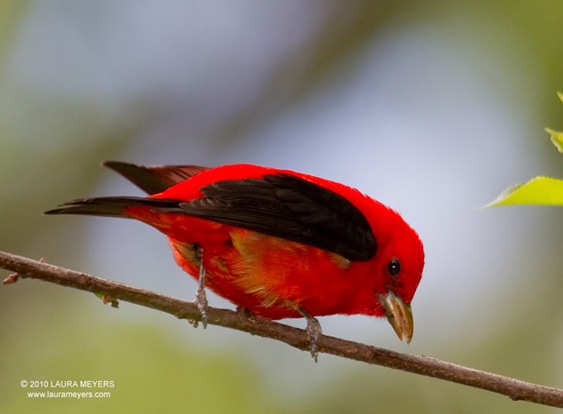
[{"x": 278, "y": 243}]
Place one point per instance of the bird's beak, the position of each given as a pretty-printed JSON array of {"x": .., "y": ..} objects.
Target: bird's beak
[{"x": 399, "y": 315}]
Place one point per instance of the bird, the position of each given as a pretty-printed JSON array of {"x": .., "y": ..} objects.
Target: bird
[{"x": 276, "y": 243}]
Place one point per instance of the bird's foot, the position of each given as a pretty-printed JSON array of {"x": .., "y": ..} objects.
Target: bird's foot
[
  {"x": 241, "y": 310},
  {"x": 200, "y": 297},
  {"x": 314, "y": 331}
]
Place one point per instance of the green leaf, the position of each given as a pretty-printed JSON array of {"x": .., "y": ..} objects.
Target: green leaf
[
  {"x": 556, "y": 138},
  {"x": 539, "y": 190}
]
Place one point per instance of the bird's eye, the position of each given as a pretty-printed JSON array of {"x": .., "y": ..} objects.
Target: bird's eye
[{"x": 394, "y": 267}]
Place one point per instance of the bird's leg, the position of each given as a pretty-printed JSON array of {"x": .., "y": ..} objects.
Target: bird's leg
[
  {"x": 241, "y": 310},
  {"x": 200, "y": 297},
  {"x": 313, "y": 330}
]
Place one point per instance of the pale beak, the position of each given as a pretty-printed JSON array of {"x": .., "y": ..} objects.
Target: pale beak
[{"x": 399, "y": 315}]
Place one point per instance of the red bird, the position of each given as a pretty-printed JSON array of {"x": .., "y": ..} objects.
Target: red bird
[{"x": 279, "y": 243}]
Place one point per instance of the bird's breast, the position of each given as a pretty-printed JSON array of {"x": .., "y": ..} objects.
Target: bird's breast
[{"x": 270, "y": 276}]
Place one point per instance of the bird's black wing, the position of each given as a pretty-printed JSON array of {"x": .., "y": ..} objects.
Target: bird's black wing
[{"x": 288, "y": 207}]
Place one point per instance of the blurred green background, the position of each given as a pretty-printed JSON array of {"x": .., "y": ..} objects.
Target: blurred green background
[{"x": 432, "y": 107}]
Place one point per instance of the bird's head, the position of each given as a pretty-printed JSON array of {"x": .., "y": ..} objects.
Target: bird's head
[{"x": 399, "y": 263}]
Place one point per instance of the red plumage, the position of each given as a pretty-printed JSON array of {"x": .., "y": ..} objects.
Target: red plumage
[{"x": 279, "y": 243}]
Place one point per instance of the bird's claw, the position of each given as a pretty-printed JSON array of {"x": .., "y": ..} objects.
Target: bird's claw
[
  {"x": 314, "y": 331},
  {"x": 201, "y": 302},
  {"x": 200, "y": 297}
]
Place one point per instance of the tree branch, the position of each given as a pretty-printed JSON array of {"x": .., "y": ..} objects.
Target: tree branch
[{"x": 298, "y": 338}]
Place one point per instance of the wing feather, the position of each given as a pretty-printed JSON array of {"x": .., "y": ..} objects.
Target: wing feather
[{"x": 288, "y": 207}]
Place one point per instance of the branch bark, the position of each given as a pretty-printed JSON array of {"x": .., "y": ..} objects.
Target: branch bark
[{"x": 514, "y": 389}]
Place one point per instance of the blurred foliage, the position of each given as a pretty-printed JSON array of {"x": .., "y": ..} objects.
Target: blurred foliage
[
  {"x": 556, "y": 138},
  {"x": 10, "y": 12},
  {"x": 50, "y": 150},
  {"x": 150, "y": 371},
  {"x": 539, "y": 190}
]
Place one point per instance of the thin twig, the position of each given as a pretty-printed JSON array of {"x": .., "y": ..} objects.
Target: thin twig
[{"x": 515, "y": 389}]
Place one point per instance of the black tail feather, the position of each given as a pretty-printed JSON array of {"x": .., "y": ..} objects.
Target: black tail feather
[
  {"x": 155, "y": 178},
  {"x": 109, "y": 206}
]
